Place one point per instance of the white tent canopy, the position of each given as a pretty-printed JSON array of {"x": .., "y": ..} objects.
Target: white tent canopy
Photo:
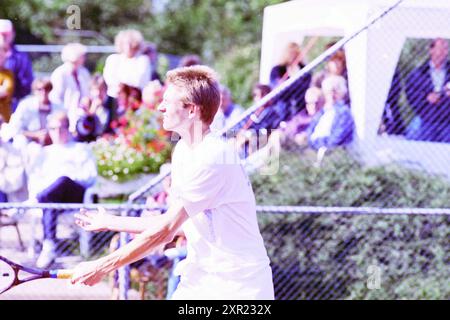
[{"x": 371, "y": 60}]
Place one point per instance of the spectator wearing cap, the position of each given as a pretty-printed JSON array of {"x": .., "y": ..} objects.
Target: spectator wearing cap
[
  {"x": 19, "y": 63},
  {"x": 30, "y": 119},
  {"x": 6, "y": 83},
  {"x": 71, "y": 81}
]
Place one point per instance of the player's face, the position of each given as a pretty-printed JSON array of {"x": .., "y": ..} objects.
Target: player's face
[{"x": 175, "y": 113}]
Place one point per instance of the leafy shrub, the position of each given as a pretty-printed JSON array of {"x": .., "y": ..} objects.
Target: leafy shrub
[
  {"x": 239, "y": 70},
  {"x": 141, "y": 146},
  {"x": 327, "y": 256},
  {"x": 342, "y": 181}
]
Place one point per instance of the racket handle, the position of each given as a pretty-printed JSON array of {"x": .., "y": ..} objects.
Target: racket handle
[{"x": 61, "y": 274}]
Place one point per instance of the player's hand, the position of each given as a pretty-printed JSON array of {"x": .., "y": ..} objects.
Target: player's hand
[
  {"x": 87, "y": 273},
  {"x": 93, "y": 220}
]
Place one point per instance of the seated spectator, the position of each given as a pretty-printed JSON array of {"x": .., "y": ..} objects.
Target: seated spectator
[
  {"x": 129, "y": 65},
  {"x": 228, "y": 112},
  {"x": 151, "y": 51},
  {"x": 71, "y": 81},
  {"x": 30, "y": 118},
  {"x": 12, "y": 173},
  {"x": 291, "y": 62},
  {"x": 94, "y": 115},
  {"x": 293, "y": 132},
  {"x": 60, "y": 173},
  {"x": 190, "y": 60},
  {"x": 335, "y": 65},
  {"x": 152, "y": 95},
  {"x": 129, "y": 100},
  {"x": 333, "y": 125},
  {"x": 99, "y": 102},
  {"x": 427, "y": 94},
  {"x": 6, "y": 83},
  {"x": 88, "y": 128},
  {"x": 295, "y": 129},
  {"x": 19, "y": 63},
  {"x": 259, "y": 91}
]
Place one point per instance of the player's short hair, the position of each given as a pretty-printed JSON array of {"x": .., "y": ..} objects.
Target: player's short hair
[{"x": 201, "y": 86}]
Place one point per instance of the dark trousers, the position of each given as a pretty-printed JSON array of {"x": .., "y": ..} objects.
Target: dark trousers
[{"x": 63, "y": 190}]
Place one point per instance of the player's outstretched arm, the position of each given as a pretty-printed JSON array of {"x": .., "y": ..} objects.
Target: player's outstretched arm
[
  {"x": 160, "y": 232},
  {"x": 102, "y": 221}
]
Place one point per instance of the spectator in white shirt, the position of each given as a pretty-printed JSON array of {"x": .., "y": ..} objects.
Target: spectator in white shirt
[
  {"x": 71, "y": 80},
  {"x": 128, "y": 66},
  {"x": 60, "y": 173},
  {"x": 29, "y": 121}
]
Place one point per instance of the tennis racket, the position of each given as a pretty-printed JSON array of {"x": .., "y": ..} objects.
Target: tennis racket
[{"x": 9, "y": 274}]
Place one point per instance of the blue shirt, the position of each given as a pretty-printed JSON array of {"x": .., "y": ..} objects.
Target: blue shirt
[{"x": 19, "y": 63}]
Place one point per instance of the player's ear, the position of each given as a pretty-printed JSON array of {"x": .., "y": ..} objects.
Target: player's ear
[{"x": 194, "y": 111}]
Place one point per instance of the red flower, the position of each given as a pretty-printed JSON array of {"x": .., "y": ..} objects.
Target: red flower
[{"x": 123, "y": 121}]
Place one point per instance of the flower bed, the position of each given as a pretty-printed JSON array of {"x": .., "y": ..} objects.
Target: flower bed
[{"x": 140, "y": 146}]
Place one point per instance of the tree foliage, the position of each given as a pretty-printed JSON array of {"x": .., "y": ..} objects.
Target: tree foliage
[{"x": 226, "y": 34}]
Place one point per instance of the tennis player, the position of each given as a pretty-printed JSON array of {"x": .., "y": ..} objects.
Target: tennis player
[{"x": 211, "y": 200}]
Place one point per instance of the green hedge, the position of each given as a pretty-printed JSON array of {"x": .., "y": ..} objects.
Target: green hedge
[
  {"x": 342, "y": 181},
  {"x": 327, "y": 256}
]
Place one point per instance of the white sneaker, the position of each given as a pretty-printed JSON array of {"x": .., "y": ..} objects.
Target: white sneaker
[{"x": 47, "y": 256}]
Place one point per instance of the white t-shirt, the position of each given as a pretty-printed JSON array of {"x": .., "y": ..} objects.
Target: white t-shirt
[
  {"x": 133, "y": 71},
  {"x": 226, "y": 256},
  {"x": 74, "y": 160}
]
